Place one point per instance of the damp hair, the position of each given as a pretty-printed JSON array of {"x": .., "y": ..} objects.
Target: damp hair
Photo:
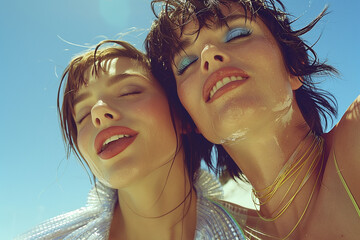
[
  {"x": 73, "y": 78},
  {"x": 163, "y": 42}
]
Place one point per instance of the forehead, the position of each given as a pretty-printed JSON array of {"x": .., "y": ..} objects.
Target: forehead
[
  {"x": 230, "y": 11},
  {"x": 232, "y": 8},
  {"x": 191, "y": 31},
  {"x": 111, "y": 71},
  {"x": 115, "y": 66}
]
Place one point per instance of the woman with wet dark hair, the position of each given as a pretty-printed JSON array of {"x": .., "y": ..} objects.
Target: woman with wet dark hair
[{"x": 246, "y": 79}]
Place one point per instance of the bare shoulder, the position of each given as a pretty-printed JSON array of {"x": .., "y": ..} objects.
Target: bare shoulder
[
  {"x": 344, "y": 141},
  {"x": 333, "y": 207},
  {"x": 346, "y": 136}
]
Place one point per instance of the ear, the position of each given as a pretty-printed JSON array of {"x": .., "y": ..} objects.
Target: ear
[{"x": 295, "y": 82}]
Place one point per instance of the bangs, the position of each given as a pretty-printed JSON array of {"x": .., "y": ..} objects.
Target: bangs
[
  {"x": 164, "y": 39},
  {"x": 174, "y": 18},
  {"x": 74, "y": 78}
]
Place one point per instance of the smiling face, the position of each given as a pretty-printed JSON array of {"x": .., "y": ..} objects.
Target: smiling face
[
  {"x": 124, "y": 127},
  {"x": 232, "y": 79}
]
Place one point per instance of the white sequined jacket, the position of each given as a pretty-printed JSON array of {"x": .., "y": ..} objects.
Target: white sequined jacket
[{"x": 93, "y": 221}]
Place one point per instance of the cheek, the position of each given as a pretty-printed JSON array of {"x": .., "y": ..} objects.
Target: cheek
[
  {"x": 272, "y": 57},
  {"x": 88, "y": 152},
  {"x": 266, "y": 61},
  {"x": 189, "y": 94},
  {"x": 83, "y": 139},
  {"x": 154, "y": 110},
  {"x": 159, "y": 141},
  {"x": 260, "y": 49}
]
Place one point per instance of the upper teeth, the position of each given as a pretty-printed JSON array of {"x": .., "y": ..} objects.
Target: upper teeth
[
  {"x": 114, "y": 138},
  {"x": 223, "y": 82}
]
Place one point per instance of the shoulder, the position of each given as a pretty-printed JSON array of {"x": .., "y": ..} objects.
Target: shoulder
[
  {"x": 349, "y": 125},
  {"x": 81, "y": 222},
  {"x": 346, "y": 137},
  {"x": 343, "y": 143}
]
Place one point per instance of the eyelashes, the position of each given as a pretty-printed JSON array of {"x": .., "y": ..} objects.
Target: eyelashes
[
  {"x": 231, "y": 35},
  {"x": 125, "y": 94},
  {"x": 185, "y": 63},
  {"x": 83, "y": 118},
  {"x": 130, "y": 93},
  {"x": 237, "y": 33}
]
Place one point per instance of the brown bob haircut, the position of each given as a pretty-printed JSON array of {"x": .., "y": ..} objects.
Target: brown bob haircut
[
  {"x": 163, "y": 43},
  {"x": 73, "y": 78}
]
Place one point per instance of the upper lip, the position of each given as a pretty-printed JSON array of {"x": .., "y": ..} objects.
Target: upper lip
[
  {"x": 109, "y": 132},
  {"x": 219, "y": 75}
]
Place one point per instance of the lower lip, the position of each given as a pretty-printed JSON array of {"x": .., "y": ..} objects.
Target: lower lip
[
  {"x": 116, "y": 147},
  {"x": 228, "y": 87}
]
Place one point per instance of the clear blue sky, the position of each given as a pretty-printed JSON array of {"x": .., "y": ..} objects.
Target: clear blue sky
[{"x": 36, "y": 179}]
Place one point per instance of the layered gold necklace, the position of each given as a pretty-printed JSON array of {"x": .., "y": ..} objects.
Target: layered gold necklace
[{"x": 310, "y": 161}]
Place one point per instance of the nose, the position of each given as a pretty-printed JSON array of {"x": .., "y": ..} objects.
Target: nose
[
  {"x": 102, "y": 114},
  {"x": 212, "y": 57}
]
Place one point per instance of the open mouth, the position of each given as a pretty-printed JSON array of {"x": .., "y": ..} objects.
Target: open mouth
[
  {"x": 113, "y": 140},
  {"x": 222, "y": 81}
]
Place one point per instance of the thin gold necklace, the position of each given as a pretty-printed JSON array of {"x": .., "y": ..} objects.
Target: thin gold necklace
[{"x": 291, "y": 168}]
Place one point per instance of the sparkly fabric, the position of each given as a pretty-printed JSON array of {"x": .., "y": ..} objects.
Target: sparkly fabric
[
  {"x": 213, "y": 220},
  {"x": 93, "y": 221}
]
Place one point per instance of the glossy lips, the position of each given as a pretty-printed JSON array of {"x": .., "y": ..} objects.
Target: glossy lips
[
  {"x": 222, "y": 81},
  {"x": 113, "y": 140}
]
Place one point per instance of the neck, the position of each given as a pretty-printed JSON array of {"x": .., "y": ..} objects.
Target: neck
[
  {"x": 263, "y": 157},
  {"x": 162, "y": 204}
]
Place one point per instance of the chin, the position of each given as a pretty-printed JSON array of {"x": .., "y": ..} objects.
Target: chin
[
  {"x": 122, "y": 178},
  {"x": 235, "y": 108},
  {"x": 237, "y": 124}
]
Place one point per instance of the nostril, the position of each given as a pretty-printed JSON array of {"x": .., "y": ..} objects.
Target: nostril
[
  {"x": 218, "y": 58},
  {"x": 97, "y": 120},
  {"x": 109, "y": 116},
  {"x": 206, "y": 65}
]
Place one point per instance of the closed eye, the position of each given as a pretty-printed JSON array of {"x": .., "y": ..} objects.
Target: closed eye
[
  {"x": 83, "y": 118},
  {"x": 185, "y": 63},
  {"x": 237, "y": 33},
  {"x": 130, "y": 93}
]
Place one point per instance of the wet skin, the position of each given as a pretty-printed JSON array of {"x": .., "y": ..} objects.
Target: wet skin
[{"x": 247, "y": 49}]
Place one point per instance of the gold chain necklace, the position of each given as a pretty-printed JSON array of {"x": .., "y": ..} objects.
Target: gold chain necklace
[{"x": 292, "y": 168}]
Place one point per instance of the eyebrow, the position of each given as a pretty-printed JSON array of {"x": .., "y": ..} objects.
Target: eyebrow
[
  {"x": 182, "y": 45},
  {"x": 234, "y": 17},
  {"x": 187, "y": 41},
  {"x": 112, "y": 80}
]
